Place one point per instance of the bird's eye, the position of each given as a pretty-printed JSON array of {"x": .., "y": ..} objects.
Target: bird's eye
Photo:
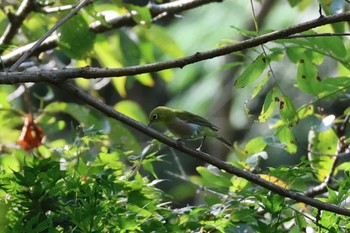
[{"x": 155, "y": 116}]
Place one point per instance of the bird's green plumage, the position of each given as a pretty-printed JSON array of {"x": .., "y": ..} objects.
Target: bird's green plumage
[{"x": 184, "y": 124}]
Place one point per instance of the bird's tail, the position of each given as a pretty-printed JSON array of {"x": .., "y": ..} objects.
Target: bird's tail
[{"x": 227, "y": 143}]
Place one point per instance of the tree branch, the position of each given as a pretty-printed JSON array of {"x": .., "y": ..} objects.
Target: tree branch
[
  {"x": 48, "y": 33},
  {"x": 92, "y": 72},
  {"x": 109, "y": 111},
  {"x": 16, "y": 21},
  {"x": 114, "y": 23},
  {"x": 169, "y": 9}
]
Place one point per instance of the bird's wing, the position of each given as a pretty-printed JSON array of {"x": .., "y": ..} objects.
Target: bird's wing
[{"x": 195, "y": 119}]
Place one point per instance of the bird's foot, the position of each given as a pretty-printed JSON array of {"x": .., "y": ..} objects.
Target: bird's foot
[
  {"x": 320, "y": 11},
  {"x": 179, "y": 143}
]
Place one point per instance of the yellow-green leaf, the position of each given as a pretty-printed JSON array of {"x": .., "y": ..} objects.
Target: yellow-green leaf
[
  {"x": 271, "y": 101},
  {"x": 322, "y": 151},
  {"x": 252, "y": 72},
  {"x": 288, "y": 112},
  {"x": 286, "y": 136}
]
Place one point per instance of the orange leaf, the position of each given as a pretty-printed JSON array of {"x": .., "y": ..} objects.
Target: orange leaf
[{"x": 32, "y": 135}]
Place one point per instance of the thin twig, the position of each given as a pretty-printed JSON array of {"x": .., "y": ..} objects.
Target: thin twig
[{"x": 318, "y": 35}]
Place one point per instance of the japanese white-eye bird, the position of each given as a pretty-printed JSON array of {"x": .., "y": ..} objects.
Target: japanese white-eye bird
[{"x": 185, "y": 125}]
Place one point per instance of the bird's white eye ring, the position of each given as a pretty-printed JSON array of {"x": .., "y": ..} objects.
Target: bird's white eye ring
[{"x": 155, "y": 116}]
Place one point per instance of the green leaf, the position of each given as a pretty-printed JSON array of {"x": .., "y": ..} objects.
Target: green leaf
[
  {"x": 132, "y": 110},
  {"x": 108, "y": 56},
  {"x": 260, "y": 85},
  {"x": 307, "y": 79},
  {"x": 159, "y": 37},
  {"x": 35, "y": 27},
  {"x": 255, "y": 145},
  {"x": 213, "y": 180},
  {"x": 305, "y": 111},
  {"x": 288, "y": 112},
  {"x": 252, "y": 72},
  {"x": 272, "y": 99},
  {"x": 145, "y": 79},
  {"x": 272, "y": 203},
  {"x": 76, "y": 39},
  {"x": 295, "y": 53},
  {"x": 322, "y": 151},
  {"x": 333, "y": 85},
  {"x": 129, "y": 49},
  {"x": 332, "y": 45},
  {"x": 286, "y": 136},
  {"x": 300, "y": 221}
]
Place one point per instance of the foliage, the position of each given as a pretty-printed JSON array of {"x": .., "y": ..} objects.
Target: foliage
[{"x": 66, "y": 167}]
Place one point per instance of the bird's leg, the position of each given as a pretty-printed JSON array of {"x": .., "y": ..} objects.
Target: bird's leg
[
  {"x": 179, "y": 143},
  {"x": 200, "y": 146},
  {"x": 320, "y": 10}
]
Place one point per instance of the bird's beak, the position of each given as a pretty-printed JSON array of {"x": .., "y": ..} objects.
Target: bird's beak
[{"x": 148, "y": 124}]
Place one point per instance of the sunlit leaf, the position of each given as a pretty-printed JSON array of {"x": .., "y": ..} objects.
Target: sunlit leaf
[
  {"x": 132, "y": 110},
  {"x": 287, "y": 111},
  {"x": 286, "y": 136},
  {"x": 213, "y": 180},
  {"x": 146, "y": 79},
  {"x": 274, "y": 180},
  {"x": 255, "y": 145},
  {"x": 260, "y": 85},
  {"x": 109, "y": 56},
  {"x": 322, "y": 151},
  {"x": 305, "y": 111},
  {"x": 272, "y": 100},
  {"x": 35, "y": 27},
  {"x": 119, "y": 84},
  {"x": 159, "y": 37}
]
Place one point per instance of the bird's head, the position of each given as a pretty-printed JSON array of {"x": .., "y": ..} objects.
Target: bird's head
[{"x": 160, "y": 115}]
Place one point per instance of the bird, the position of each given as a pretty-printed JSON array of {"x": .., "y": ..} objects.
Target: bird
[{"x": 186, "y": 125}]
